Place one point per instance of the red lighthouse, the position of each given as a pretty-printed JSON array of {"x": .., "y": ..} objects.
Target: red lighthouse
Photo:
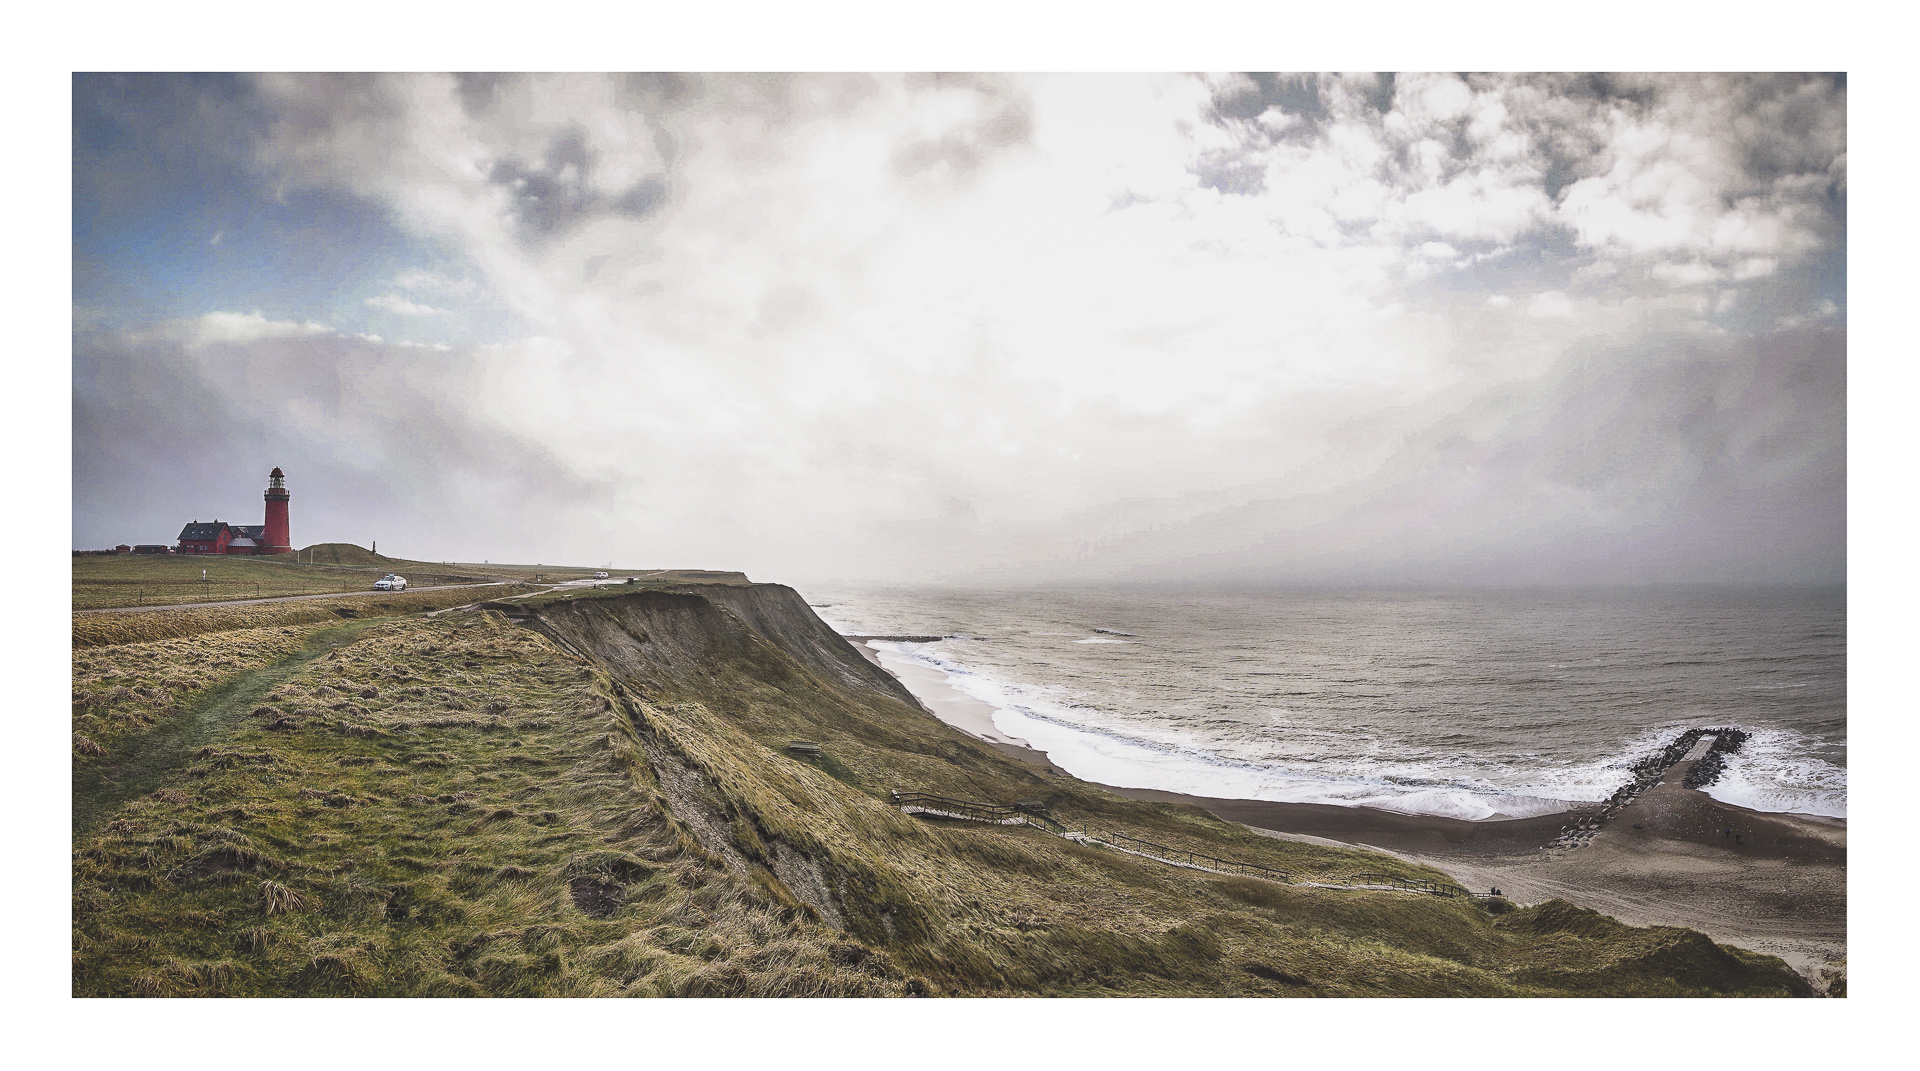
[{"x": 276, "y": 540}]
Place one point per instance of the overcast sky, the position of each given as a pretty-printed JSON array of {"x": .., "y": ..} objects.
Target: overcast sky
[{"x": 976, "y": 329}]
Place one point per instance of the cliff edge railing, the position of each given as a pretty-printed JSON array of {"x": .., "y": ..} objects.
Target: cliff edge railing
[{"x": 1025, "y": 813}]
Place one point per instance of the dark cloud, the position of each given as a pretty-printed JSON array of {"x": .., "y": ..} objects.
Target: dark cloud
[
  {"x": 1295, "y": 94},
  {"x": 1232, "y": 172},
  {"x": 557, "y": 194},
  {"x": 1678, "y": 462},
  {"x": 478, "y": 92},
  {"x": 1002, "y": 119},
  {"x": 646, "y": 90},
  {"x": 1603, "y": 87}
]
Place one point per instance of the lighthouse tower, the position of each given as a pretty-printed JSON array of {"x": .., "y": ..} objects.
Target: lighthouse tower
[{"x": 276, "y": 540}]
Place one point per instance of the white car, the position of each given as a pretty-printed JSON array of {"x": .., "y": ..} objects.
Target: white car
[
  {"x": 390, "y": 582},
  {"x": 600, "y": 576}
]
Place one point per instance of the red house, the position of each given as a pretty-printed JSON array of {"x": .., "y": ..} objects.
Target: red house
[{"x": 219, "y": 537}]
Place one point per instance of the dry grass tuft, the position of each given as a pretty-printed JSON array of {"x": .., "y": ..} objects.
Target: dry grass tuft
[
  {"x": 346, "y": 971},
  {"x": 279, "y": 899}
]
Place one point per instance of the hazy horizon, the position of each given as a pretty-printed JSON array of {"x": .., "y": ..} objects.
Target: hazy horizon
[{"x": 1402, "y": 331}]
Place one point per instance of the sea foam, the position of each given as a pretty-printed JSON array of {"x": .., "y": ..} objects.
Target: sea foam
[
  {"x": 1778, "y": 770},
  {"x": 1101, "y": 754}
]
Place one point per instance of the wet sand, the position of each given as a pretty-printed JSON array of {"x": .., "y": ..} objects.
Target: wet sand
[
  {"x": 956, "y": 708},
  {"x": 1365, "y": 825}
]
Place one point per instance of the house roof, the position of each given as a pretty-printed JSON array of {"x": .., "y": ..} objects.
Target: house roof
[
  {"x": 203, "y": 530},
  {"x": 249, "y": 531}
]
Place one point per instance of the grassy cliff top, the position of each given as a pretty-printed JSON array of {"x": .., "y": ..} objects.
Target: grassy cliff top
[
  {"x": 109, "y": 581},
  {"x": 622, "y": 584},
  {"x": 123, "y": 580}
]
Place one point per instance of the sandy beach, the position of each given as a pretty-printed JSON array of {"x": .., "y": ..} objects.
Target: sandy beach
[
  {"x": 1668, "y": 859},
  {"x": 950, "y": 705}
]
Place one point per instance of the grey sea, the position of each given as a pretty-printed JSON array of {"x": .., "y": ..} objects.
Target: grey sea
[{"x": 1474, "y": 704}]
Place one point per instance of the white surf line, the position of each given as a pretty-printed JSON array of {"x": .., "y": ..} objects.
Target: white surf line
[{"x": 935, "y": 689}]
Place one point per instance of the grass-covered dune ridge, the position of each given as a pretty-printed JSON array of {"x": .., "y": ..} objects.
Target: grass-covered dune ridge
[{"x": 592, "y": 796}]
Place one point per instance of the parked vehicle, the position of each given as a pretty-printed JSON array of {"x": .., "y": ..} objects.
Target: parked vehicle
[
  {"x": 390, "y": 582},
  {"x": 600, "y": 575}
]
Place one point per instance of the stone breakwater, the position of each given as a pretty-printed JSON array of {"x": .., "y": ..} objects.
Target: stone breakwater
[
  {"x": 1647, "y": 772},
  {"x": 1707, "y": 769}
]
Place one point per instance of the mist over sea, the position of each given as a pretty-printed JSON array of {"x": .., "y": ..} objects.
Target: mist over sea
[{"x": 1474, "y": 704}]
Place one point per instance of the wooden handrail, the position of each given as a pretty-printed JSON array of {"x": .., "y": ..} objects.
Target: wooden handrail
[{"x": 1199, "y": 859}]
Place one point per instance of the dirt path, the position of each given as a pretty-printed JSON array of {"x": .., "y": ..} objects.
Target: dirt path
[
  {"x": 142, "y": 762},
  {"x": 283, "y": 598}
]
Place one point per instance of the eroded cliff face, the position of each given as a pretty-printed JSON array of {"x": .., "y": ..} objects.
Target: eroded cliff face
[
  {"x": 715, "y": 680},
  {"x": 679, "y": 635}
]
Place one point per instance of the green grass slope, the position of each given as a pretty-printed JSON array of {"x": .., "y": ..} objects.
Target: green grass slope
[
  {"x": 431, "y": 807},
  {"x": 347, "y": 554},
  {"x": 594, "y": 798}
]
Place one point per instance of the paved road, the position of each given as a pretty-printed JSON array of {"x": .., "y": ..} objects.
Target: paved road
[{"x": 285, "y": 598}]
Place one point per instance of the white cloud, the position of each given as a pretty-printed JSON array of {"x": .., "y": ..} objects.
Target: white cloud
[
  {"x": 240, "y": 327},
  {"x": 1550, "y": 305},
  {"x": 435, "y": 283},
  {"x": 836, "y": 306},
  {"x": 399, "y": 305},
  {"x": 1687, "y": 273}
]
